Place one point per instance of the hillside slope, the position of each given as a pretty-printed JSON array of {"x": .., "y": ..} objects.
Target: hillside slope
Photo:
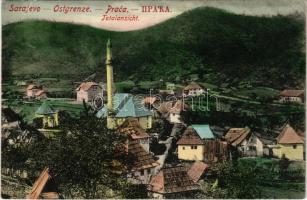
[{"x": 218, "y": 46}]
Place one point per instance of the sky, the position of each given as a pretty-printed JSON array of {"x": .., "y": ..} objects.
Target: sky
[{"x": 134, "y": 9}]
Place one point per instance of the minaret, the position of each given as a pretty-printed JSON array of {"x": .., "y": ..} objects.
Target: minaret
[{"x": 109, "y": 77}]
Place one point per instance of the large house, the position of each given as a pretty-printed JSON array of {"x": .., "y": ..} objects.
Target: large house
[
  {"x": 121, "y": 106},
  {"x": 140, "y": 165},
  {"x": 192, "y": 90},
  {"x": 199, "y": 143},
  {"x": 177, "y": 182},
  {"x": 288, "y": 144},
  {"x": 291, "y": 96},
  {"x": 35, "y": 91},
  {"x": 44, "y": 187},
  {"x": 87, "y": 91}
]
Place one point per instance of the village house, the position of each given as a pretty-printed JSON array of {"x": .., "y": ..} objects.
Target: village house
[
  {"x": 87, "y": 91},
  {"x": 172, "y": 110},
  {"x": 288, "y": 144},
  {"x": 256, "y": 144},
  {"x": 238, "y": 139},
  {"x": 141, "y": 164},
  {"x": 44, "y": 187},
  {"x": 35, "y": 91},
  {"x": 177, "y": 182},
  {"x": 49, "y": 116},
  {"x": 291, "y": 96},
  {"x": 121, "y": 106},
  {"x": 192, "y": 90},
  {"x": 199, "y": 143}
]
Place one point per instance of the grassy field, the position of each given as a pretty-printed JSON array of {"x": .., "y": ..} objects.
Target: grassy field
[
  {"x": 27, "y": 109},
  {"x": 280, "y": 188}
]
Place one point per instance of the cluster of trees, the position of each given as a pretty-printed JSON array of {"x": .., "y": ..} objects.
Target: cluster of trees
[
  {"x": 231, "y": 48},
  {"x": 80, "y": 160}
]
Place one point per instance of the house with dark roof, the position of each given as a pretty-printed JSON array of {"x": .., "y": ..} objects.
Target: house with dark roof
[
  {"x": 87, "y": 91},
  {"x": 288, "y": 144},
  {"x": 177, "y": 182},
  {"x": 238, "y": 139},
  {"x": 126, "y": 106},
  {"x": 192, "y": 90},
  {"x": 291, "y": 96},
  {"x": 199, "y": 143},
  {"x": 44, "y": 187},
  {"x": 139, "y": 164}
]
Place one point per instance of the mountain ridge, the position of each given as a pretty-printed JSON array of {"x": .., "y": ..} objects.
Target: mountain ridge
[{"x": 215, "y": 45}]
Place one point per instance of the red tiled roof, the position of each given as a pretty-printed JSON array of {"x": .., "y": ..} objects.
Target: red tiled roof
[
  {"x": 86, "y": 86},
  {"x": 172, "y": 180},
  {"x": 235, "y": 136},
  {"x": 196, "y": 170},
  {"x": 192, "y": 86},
  {"x": 133, "y": 128},
  {"x": 289, "y": 136},
  {"x": 292, "y": 93},
  {"x": 141, "y": 159},
  {"x": 149, "y": 100},
  {"x": 190, "y": 137}
]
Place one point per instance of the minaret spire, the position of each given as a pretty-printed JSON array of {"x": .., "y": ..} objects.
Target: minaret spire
[{"x": 109, "y": 76}]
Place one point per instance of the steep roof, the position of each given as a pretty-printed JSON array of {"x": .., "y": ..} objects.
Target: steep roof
[
  {"x": 196, "y": 170},
  {"x": 203, "y": 130},
  {"x": 44, "y": 109},
  {"x": 289, "y": 136},
  {"x": 192, "y": 86},
  {"x": 172, "y": 180},
  {"x": 141, "y": 159},
  {"x": 39, "y": 185},
  {"x": 292, "y": 93},
  {"x": 190, "y": 137},
  {"x": 235, "y": 136},
  {"x": 126, "y": 105},
  {"x": 86, "y": 85},
  {"x": 133, "y": 128}
]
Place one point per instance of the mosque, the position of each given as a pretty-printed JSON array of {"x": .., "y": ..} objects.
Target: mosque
[{"x": 121, "y": 106}]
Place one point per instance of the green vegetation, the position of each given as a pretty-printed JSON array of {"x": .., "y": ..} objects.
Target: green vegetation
[
  {"x": 205, "y": 44},
  {"x": 255, "y": 178}
]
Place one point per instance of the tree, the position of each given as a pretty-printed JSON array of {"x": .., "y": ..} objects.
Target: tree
[
  {"x": 283, "y": 166},
  {"x": 237, "y": 180},
  {"x": 80, "y": 158}
]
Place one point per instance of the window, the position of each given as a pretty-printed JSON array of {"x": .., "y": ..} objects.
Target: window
[
  {"x": 183, "y": 148},
  {"x": 294, "y": 146},
  {"x": 193, "y": 147},
  {"x": 142, "y": 172},
  {"x": 149, "y": 171}
]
